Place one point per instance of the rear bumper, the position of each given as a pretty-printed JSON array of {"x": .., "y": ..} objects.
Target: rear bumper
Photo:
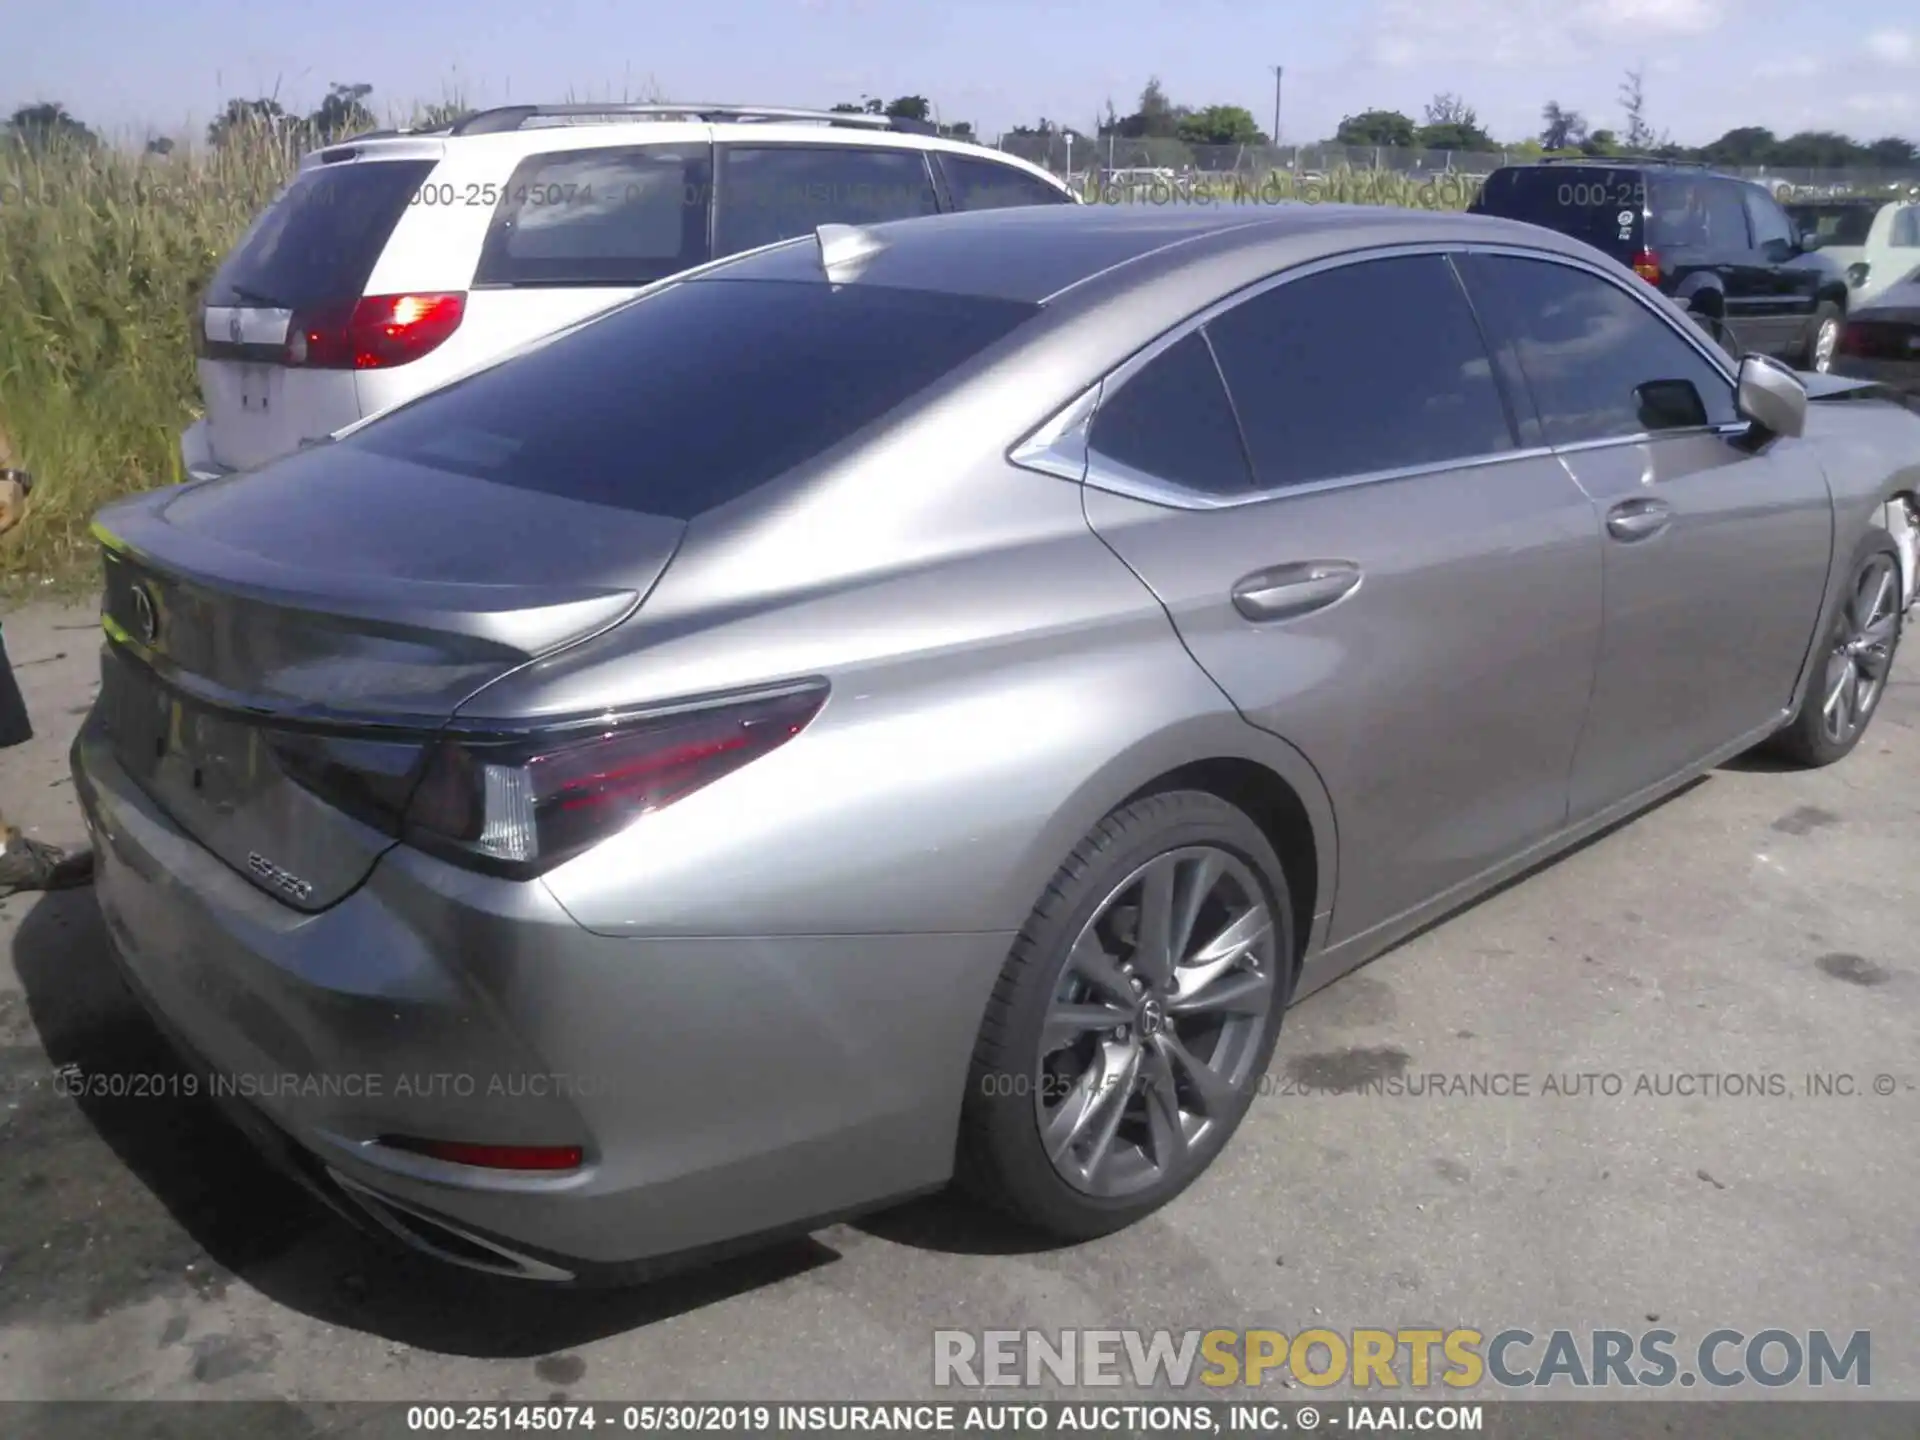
[{"x": 722, "y": 1089}]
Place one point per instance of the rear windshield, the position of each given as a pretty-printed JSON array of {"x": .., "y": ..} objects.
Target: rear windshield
[
  {"x": 320, "y": 239},
  {"x": 1594, "y": 203},
  {"x": 1835, "y": 224},
  {"x": 691, "y": 397}
]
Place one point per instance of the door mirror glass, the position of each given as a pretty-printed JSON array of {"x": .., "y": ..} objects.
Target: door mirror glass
[
  {"x": 1810, "y": 241},
  {"x": 1670, "y": 405},
  {"x": 1771, "y": 396}
]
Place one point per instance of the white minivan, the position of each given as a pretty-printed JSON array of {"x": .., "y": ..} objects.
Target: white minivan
[{"x": 396, "y": 261}]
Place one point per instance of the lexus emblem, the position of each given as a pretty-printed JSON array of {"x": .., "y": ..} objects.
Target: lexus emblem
[
  {"x": 233, "y": 327},
  {"x": 146, "y": 619}
]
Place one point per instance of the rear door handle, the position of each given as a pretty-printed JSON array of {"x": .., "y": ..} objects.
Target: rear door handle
[
  {"x": 1283, "y": 591},
  {"x": 1638, "y": 519}
]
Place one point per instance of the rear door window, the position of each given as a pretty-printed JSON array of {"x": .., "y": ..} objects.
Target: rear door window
[
  {"x": 775, "y": 192},
  {"x": 1172, "y": 421},
  {"x": 320, "y": 240},
  {"x": 688, "y": 398},
  {"x": 1595, "y": 203},
  {"x": 976, "y": 184},
  {"x": 613, "y": 216}
]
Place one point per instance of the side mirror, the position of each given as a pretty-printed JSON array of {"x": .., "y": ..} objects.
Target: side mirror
[
  {"x": 1810, "y": 243},
  {"x": 1772, "y": 397}
]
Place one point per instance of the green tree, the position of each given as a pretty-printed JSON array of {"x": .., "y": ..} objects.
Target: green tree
[
  {"x": 1375, "y": 127},
  {"x": 342, "y": 113},
  {"x": 1633, "y": 100},
  {"x": 1157, "y": 118},
  {"x": 910, "y": 107},
  {"x": 1221, "y": 125},
  {"x": 243, "y": 117},
  {"x": 47, "y": 123},
  {"x": 1892, "y": 153},
  {"x": 1746, "y": 145},
  {"x": 1601, "y": 142},
  {"x": 1452, "y": 124},
  {"x": 1562, "y": 128}
]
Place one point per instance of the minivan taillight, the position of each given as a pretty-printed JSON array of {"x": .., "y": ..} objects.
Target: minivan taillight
[
  {"x": 376, "y": 332},
  {"x": 1646, "y": 264},
  {"x": 522, "y": 806}
]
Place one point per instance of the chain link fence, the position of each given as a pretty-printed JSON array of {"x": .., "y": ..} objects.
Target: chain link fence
[{"x": 1109, "y": 163}]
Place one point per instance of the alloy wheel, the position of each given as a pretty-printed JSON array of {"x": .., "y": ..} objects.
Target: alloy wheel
[
  {"x": 1152, "y": 1035},
  {"x": 1825, "y": 341},
  {"x": 1857, "y": 666}
]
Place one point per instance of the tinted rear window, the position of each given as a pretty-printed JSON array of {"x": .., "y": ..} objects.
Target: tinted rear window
[
  {"x": 320, "y": 239},
  {"x": 691, "y": 397},
  {"x": 626, "y": 216},
  {"x": 1594, "y": 203},
  {"x": 1835, "y": 224}
]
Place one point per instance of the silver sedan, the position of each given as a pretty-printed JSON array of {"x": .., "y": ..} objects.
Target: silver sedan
[{"x": 919, "y": 703}]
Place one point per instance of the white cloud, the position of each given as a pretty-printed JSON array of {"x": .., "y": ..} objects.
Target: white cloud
[
  {"x": 1525, "y": 33},
  {"x": 1886, "y": 106},
  {"x": 1792, "y": 67},
  {"x": 1896, "y": 47}
]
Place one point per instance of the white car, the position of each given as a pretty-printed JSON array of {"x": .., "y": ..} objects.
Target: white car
[
  {"x": 1875, "y": 241},
  {"x": 396, "y": 261}
]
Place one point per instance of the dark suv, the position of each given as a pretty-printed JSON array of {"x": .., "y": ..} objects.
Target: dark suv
[{"x": 1721, "y": 247}]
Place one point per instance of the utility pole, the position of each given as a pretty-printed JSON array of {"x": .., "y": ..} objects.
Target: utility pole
[{"x": 1278, "y": 71}]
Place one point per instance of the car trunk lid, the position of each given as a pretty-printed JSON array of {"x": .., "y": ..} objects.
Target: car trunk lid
[{"x": 273, "y": 632}]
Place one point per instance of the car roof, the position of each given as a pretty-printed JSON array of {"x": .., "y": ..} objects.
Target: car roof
[
  {"x": 591, "y": 129},
  {"x": 1038, "y": 254}
]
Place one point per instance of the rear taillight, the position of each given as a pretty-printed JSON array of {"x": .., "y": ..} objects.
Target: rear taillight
[
  {"x": 523, "y": 806},
  {"x": 1646, "y": 264},
  {"x": 1878, "y": 340},
  {"x": 373, "y": 333}
]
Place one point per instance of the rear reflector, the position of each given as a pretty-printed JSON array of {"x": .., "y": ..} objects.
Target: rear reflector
[
  {"x": 1646, "y": 265},
  {"x": 490, "y": 1157},
  {"x": 373, "y": 333}
]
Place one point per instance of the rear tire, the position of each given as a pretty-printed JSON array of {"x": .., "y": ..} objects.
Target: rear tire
[
  {"x": 1853, "y": 661},
  {"x": 1093, "y": 1098}
]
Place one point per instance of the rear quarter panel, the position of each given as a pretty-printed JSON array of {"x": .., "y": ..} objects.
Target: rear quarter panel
[{"x": 999, "y": 684}]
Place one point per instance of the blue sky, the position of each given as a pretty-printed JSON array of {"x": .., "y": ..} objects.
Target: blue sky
[{"x": 133, "y": 65}]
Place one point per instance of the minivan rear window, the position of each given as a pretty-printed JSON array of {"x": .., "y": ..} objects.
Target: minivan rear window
[
  {"x": 320, "y": 240},
  {"x": 1595, "y": 203},
  {"x": 692, "y": 396}
]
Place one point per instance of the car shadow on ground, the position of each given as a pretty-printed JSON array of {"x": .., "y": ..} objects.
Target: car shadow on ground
[{"x": 80, "y": 1239}]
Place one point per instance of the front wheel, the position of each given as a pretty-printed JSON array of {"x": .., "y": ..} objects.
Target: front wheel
[
  {"x": 1133, "y": 1020},
  {"x": 1823, "y": 338},
  {"x": 1857, "y": 657}
]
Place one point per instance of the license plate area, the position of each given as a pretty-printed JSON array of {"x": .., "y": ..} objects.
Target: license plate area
[{"x": 179, "y": 751}]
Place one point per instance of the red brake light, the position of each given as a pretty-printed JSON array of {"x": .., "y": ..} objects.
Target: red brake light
[
  {"x": 1646, "y": 264},
  {"x": 1877, "y": 339},
  {"x": 373, "y": 333},
  {"x": 491, "y": 1157},
  {"x": 524, "y": 806}
]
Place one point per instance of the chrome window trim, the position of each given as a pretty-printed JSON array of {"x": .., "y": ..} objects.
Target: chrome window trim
[{"x": 1059, "y": 447}]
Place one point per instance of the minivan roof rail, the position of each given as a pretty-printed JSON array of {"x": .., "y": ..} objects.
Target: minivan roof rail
[{"x": 504, "y": 118}]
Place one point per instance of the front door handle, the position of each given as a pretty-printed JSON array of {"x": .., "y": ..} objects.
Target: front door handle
[
  {"x": 1283, "y": 591},
  {"x": 1638, "y": 519}
]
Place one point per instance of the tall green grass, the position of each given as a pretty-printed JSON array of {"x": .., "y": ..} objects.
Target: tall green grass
[{"x": 106, "y": 252}]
